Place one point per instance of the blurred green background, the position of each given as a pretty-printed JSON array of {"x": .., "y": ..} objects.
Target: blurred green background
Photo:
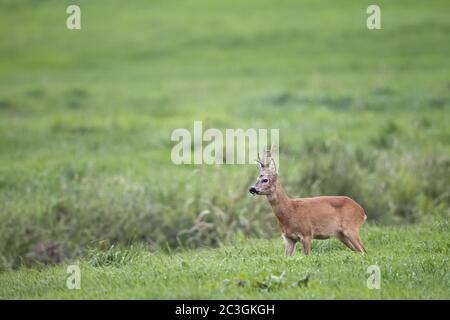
[{"x": 86, "y": 117}]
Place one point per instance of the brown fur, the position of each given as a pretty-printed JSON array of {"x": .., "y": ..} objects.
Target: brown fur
[{"x": 304, "y": 219}]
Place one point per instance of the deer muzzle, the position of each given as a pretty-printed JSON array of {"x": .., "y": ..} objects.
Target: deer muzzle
[{"x": 253, "y": 190}]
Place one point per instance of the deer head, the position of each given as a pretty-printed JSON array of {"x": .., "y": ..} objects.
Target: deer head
[{"x": 266, "y": 182}]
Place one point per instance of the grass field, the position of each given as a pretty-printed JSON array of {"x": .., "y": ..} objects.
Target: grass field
[
  {"x": 413, "y": 262},
  {"x": 85, "y": 123}
]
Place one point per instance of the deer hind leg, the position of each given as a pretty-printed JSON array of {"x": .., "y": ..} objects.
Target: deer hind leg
[
  {"x": 355, "y": 240},
  {"x": 359, "y": 242},
  {"x": 346, "y": 240},
  {"x": 289, "y": 246}
]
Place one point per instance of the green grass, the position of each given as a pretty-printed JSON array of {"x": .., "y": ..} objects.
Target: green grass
[
  {"x": 413, "y": 262},
  {"x": 86, "y": 118}
]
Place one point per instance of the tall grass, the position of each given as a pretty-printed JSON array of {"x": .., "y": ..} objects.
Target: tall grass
[{"x": 209, "y": 206}]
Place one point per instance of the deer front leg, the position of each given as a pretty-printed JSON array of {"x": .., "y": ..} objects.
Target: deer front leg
[
  {"x": 289, "y": 246},
  {"x": 306, "y": 243}
]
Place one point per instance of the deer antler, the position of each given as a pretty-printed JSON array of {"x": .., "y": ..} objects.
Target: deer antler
[
  {"x": 261, "y": 164},
  {"x": 267, "y": 157}
]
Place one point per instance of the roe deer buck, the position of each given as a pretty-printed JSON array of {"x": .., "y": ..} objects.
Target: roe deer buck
[{"x": 304, "y": 219}]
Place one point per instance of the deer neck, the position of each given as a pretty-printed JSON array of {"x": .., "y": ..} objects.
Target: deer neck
[{"x": 279, "y": 201}]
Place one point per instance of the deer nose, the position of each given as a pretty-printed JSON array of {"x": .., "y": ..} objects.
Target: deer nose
[{"x": 252, "y": 190}]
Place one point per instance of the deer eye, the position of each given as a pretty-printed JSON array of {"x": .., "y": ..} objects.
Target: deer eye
[{"x": 265, "y": 180}]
